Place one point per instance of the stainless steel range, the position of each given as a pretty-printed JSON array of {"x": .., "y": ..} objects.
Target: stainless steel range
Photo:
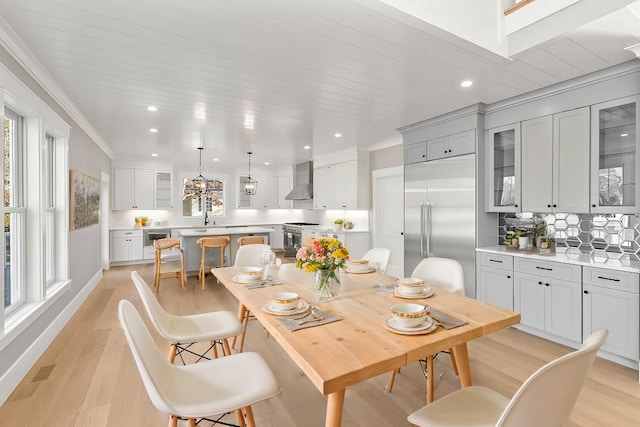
[{"x": 293, "y": 236}]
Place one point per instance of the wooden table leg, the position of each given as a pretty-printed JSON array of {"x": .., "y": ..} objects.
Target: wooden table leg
[
  {"x": 430, "y": 379},
  {"x": 335, "y": 404},
  {"x": 462, "y": 362}
]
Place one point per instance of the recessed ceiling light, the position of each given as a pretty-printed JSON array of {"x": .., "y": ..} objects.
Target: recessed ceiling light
[
  {"x": 152, "y": 108},
  {"x": 215, "y": 159},
  {"x": 466, "y": 83},
  {"x": 307, "y": 147},
  {"x": 337, "y": 135},
  {"x": 266, "y": 163},
  {"x": 624, "y": 134},
  {"x": 154, "y": 155},
  {"x": 153, "y": 130}
]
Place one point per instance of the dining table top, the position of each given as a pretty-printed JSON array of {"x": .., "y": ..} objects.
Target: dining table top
[{"x": 337, "y": 355}]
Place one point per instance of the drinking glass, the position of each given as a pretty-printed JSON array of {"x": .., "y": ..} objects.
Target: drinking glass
[
  {"x": 265, "y": 259},
  {"x": 381, "y": 268}
]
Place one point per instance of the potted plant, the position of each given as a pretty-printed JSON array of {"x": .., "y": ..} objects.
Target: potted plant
[{"x": 337, "y": 224}]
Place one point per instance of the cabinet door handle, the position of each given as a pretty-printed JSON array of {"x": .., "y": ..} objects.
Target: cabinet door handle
[
  {"x": 586, "y": 292},
  {"x": 539, "y": 283},
  {"x": 608, "y": 278},
  {"x": 546, "y": 284},
  {"x": 548, "y": 206},
  {"x": 593, "y": 206},
  {"x": 555, "y": 206},
  {"x": 544, "y": 268},
  {"x": 495, "y": 260},
  {"x": 508, "y": 277}
]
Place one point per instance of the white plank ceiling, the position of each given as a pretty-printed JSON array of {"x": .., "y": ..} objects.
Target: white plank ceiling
[{"x": 303, "y": 69}]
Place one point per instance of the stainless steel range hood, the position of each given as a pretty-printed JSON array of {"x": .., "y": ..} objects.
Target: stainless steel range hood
[{"x": 302, "y": 182}]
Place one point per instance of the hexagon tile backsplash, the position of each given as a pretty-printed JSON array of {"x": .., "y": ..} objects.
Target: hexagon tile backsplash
[{"x": 609, "y": 236}]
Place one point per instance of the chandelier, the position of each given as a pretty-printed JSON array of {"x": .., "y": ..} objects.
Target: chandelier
[
  {"x": 199, "y": 187},
  {"x": 249, "y": 184}
]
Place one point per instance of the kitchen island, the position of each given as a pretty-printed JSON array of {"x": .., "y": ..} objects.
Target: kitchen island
[{"x": 189, "y": 237}]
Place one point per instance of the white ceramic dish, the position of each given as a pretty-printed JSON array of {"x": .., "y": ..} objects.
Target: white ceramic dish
[
  {"x": 283, "y": 301},
  {"x": 409, "y": 315},
  {"x": 238, "y": 279},
  {"x": 425, "y": 324},
  {"x": 412, "y": 331},
  {"x": 300, "y": 308},
  {"x": 368, "y": 270},
  {"x": 250, "y": 273},
  {"x": 426, "y": 293}
]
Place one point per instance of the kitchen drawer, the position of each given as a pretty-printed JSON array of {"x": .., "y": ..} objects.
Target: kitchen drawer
[
  {"x": 556, "y": 270},
  {"x": 126, "y": 233},
  {"x": 612, "y": 279},
  {"x": 504, "y": 262}
]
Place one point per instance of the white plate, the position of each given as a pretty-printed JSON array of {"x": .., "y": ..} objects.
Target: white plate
[
  {"x": 426, "y": 293},
  {"x": 237, "y": 278},
  {"x": 410, "y": 331},
  {"x": 300, "y": 308},
  {"x": 368, "y": 270}
]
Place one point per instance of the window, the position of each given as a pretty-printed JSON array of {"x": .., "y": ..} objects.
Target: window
[
  {"x": 192, "y": 207},
  {"x": 50, "y": 210},
  {"x": 14, "y": 211}
]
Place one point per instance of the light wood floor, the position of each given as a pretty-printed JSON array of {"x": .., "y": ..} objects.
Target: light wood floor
[{"x": 87, "y": 377}]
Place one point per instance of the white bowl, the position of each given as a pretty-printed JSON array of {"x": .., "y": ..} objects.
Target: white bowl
[
  {"x": 250, "y": 273},
  {"x": 283, "y": 301},
  {"x": 411, "y": 286},
  {"x": 409, "y": 315}
]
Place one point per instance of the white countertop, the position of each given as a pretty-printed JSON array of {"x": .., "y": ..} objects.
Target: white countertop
[
  {"x": 568, "y": 257},
  {"x": 221, "y": 231}
]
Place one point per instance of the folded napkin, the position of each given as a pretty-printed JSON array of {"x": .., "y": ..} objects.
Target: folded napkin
[
  {"x": 446, "y": 321},
  {"x": 293, "y": 323},
  {"x": 261, "y": 285}
]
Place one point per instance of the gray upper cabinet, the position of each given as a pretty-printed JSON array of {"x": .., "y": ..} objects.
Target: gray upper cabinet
[
  {"x": 555, "y": 162},
  {"x": 503, "y": 168},
  {"x": 415, "y": 153},
  {"x": 452, "y": 145},
  {"x": 615, "y": 163}
]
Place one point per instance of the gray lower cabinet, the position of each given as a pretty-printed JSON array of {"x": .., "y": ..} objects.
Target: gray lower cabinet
[
  {"x": 495, "y": 280},
  {"x": 611, "y": 300},
  {"x": 548, "y": 296}
]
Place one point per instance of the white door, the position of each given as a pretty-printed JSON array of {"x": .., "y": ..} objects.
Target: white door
[{"x": 388, "y": 216}]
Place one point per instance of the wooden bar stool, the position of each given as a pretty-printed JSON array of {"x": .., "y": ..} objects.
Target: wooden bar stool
[
  {"x": 169, "y": 261},
  {"x": 220, "y": 242},
  {"x": 251, "y": 240}
]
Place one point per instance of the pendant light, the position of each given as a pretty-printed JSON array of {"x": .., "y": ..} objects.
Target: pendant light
[
  {"x": 249, "y": 184},
  {"x": 197, "y": 187}
]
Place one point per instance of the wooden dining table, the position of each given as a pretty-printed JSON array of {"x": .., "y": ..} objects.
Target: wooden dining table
[{"x": 337, "y": 355}]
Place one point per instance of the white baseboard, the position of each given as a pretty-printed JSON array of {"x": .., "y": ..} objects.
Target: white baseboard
[{"x": 25, "y": 361}]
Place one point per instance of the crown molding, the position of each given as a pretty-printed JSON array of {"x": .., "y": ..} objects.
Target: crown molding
[
  {"x": 386, "y": 144},
  {"x": 19, "y": 51}
]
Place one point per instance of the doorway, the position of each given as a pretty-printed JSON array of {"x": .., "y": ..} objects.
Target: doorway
[{"x": 388, "y": 215}]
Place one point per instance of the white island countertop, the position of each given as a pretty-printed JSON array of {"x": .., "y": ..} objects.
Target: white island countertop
[
  {"x": 222, "y": 231},
  {"x": 569, "y": 256}
]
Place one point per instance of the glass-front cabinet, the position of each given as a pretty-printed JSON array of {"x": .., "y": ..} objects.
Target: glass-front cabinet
[
  {"x": 503, "y": 168},
  {"x": 615, "y": 160}
]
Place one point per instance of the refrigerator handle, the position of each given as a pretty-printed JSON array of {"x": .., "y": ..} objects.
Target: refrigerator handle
[{"x": 427, "y": 207}]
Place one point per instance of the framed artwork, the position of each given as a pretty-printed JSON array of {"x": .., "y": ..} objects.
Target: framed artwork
[{"x": 85, "y": 200}]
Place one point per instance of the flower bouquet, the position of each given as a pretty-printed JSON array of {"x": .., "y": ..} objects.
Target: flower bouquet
[{"x": 323, "y": 256}]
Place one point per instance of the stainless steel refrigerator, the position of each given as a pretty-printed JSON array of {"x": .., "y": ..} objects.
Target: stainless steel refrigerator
[{"x": 440, "y": 205}]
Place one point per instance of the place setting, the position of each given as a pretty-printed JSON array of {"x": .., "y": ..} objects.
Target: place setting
[
  {"x": 359, "y": 266},
  {"x": 412, "y": 288},
  {"x": 260, "y": 277},
  {"x": 410, "y": 319},
  {"x": 296, "y": 313}
]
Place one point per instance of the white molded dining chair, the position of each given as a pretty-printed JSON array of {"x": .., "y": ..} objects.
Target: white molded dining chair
[
  {"x": 196, "y": 391},
  {"x": 248, "y": 255},
  {"x": 546, "y": 398},
  {"x": 445, "y": 274},
  {"x": 375, "y": 255},
  {"x": 183, "y": 331}
]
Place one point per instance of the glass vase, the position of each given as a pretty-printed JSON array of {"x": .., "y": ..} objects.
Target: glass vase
[{"x": 325, "y": 281}]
